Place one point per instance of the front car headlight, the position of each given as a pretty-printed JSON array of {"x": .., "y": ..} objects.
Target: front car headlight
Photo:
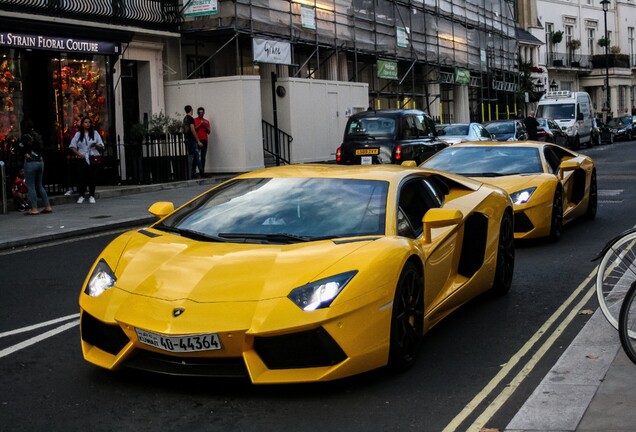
[
  {"x": 320, "y": 294},
  {"x": 101, "y": 279},
  {"x": 522, "y": 196}
]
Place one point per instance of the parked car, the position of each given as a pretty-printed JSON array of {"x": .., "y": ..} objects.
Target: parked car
[
  {"x": 507, "y": 130},
  {"x": 549, "y": 184},
  {"x": 454, "y": 133},
  {"x": 388, "y": 137},
  {"x": 623, "y": 127},
  {"x": 297, "y": 273},
  {"x": 550, "y": 131},
  {"x": 601, "y": 133}
]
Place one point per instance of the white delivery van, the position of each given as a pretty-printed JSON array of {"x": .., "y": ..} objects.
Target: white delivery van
[{"x": 572, "y": 111}]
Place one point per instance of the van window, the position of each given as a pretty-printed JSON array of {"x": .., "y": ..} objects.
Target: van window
[{"x": 563, "y": 111}]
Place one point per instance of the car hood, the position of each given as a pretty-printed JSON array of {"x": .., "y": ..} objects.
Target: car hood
[{"x": 171, "y": 268}]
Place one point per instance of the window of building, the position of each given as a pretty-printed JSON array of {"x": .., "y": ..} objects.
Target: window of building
[
  {"x": 630, "y": 44},
  {"x": 591, "y": 40},
  {"x": 549, "y": 29}
]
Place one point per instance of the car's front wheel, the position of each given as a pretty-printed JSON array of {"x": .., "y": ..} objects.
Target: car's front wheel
[
  {"x": 407, "y": 318},
  {"x": 556, "y": 223},
  {"x": 505, "y": 256}
]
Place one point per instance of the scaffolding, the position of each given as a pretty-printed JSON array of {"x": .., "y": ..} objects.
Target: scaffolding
[{"x": 431, "y": 41}]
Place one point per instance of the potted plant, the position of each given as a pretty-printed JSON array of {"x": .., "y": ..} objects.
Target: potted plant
[
  {"x": 574, "y": 44},
  {"x": 556, "y": 38},
  {"x": 604, "y": 42},
  {"x": 615, "y": 49}
]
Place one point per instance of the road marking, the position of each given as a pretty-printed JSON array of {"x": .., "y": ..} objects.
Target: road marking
[
  {"x": 5, "y": 352},
  {"x": 516, "y": 358},
  {"x": 37, "y": 326}
]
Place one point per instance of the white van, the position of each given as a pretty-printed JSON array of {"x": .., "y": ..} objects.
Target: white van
[{"x": 572, "y": 111}]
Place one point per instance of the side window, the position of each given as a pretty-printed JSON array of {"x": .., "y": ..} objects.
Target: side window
[
  {"x": 485, "y": 133},
  {"x": 408, "y": 128},
  {"x": 553, "y": 160},
  {"x": 419, "y": 126},
  {"x": 415, "y": 200}
]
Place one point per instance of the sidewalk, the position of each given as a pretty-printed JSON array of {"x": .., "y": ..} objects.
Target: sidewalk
[
  {"x": 591, "y": 387},
  {"x": 116, "y": 207}
]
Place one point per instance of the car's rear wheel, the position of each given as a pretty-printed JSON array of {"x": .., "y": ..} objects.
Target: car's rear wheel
[
  {"x": 407, "y": 318},
  {"x": 556, "y": 223},
  {"x": 505, "y": 256},
  {"x": 593, "y": 198}
]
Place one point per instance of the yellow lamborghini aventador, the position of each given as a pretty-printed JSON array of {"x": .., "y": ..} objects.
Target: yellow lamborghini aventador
[
  {"x": 549, "y": 185},
  {"x": 298, "y": 273}
]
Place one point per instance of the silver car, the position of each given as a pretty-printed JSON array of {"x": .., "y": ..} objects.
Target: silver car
[{"x": 454, "y": 133}]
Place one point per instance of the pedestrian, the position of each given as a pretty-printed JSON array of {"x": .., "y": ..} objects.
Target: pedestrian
[
  {"x": 192, "y": 141},
  {"x": 532, "y": 126},
  {"x": 19, "y": 191},
  {"x": 202, "y": 126},
  {"x": 87, "y": 146},
  {"x": 32, "y": 145}
]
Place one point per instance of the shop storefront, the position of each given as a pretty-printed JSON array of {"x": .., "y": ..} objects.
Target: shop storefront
[{"x": 54, "y": 81}]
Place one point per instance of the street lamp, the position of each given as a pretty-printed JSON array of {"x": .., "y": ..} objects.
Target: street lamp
[
  {"x": 554, "y": 86},
  {"x": 606, "y": 109}
]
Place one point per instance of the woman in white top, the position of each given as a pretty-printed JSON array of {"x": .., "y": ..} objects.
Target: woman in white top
[{"x": 86, "y": 143}]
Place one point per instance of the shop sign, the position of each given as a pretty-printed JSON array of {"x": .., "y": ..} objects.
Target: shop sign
[
  {"x": 387, "y": 69},
  {"x": 271, "y": 51},
  {"x": 308, "y": 17},
  {"x": 402, "y": 36},
  {"x": 30, "y": 41},
  {"x": 462, "y": 76},
  {"x": 195, "y": 8}
]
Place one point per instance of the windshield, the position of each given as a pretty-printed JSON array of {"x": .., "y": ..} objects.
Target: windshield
[
  {"x": 372, "y": 126},
  {"x": 282, "y": 208},
  {"x": 619, "y": 122},
  {"x": 455, "y": 130},
  {"x": 487, "y": 161},
  {"x": 557, "y": 111},
  {"x": 500, "y": 127}
]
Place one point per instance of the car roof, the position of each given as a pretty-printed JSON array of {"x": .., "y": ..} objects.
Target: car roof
[
  {"x": 388, "y": 113},
  {"x": 387, "y": 172}
]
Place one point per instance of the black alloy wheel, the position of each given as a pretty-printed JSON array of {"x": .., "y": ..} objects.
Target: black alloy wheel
[
  {"x": 592, "y": 203},
  {"x": 556, "y": 225},
  {"x": 505, "y": 256},
  {"x": 407, "y": 318}
]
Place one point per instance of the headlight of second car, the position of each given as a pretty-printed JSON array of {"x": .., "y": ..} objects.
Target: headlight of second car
[
  {"x": 522, "y": 196},
  {"x": 101, "y": 279},
  {"x": 320, "y": 294}
]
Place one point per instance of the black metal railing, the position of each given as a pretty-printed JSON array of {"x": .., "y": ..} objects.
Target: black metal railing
[
  {"x": 156, "y": 14},
  {"x": 277, "y": 143},
  {"x": 157, "y": 159},
  {"x": 569, "y": 60}
]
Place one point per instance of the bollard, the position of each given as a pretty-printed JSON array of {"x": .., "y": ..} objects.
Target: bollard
[{"x": 3, "y": 190}]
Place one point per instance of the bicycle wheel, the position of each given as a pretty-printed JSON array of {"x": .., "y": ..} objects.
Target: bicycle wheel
[
  {"x": 627, "y": 323},
  {"x": 616, "y": 273}
]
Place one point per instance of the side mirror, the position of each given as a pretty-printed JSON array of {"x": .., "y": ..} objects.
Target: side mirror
[
  {"x": 568, "y": 165},
  {"x": 161, "y": 209},
  {"x": 579, "y": 116},
  {"x": 438, "y": 218}
]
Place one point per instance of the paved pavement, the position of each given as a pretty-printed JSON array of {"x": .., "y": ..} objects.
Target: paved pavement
[{"x": 592, "y": 387}]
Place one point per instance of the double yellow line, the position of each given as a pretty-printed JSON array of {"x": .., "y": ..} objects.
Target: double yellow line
[{"x": 471, "y": 408}]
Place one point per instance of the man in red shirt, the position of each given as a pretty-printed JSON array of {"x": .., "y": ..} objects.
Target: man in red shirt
[{"x": 202, "y": 126}]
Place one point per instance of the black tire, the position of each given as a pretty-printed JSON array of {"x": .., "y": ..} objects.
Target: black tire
[
  {"x": 407, "y": 318},
  {"x": 626, "y": 320},
  {"x": 556, "y": 223},
  {"x": 592, "y": 204},
  {"x": 505, "y": 256}
]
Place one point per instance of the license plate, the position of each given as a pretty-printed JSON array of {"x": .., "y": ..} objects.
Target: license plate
[
  {"x": 180, "y": 344},
  {"x": 366, "y": 160},
  {"x": 367, "y": 151}
]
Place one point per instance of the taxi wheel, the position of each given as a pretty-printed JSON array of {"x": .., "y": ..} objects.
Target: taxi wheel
[
  {"x": 407, "y": 318},
  {"x": 505, "y": 256},
  {"x": 593, "y": 198},
  {"x": 556, "y": 225}
]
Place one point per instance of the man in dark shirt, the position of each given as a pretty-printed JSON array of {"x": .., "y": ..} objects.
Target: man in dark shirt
[
  {"x": 192, "y": 141},
  {"x": 532, "y": 126}
]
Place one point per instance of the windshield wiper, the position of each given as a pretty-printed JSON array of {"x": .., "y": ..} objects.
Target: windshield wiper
[
  {"x": 194, "y": 235},
  {"x": 275, "y": 237},
  {"x": 483, "y": 174}
]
